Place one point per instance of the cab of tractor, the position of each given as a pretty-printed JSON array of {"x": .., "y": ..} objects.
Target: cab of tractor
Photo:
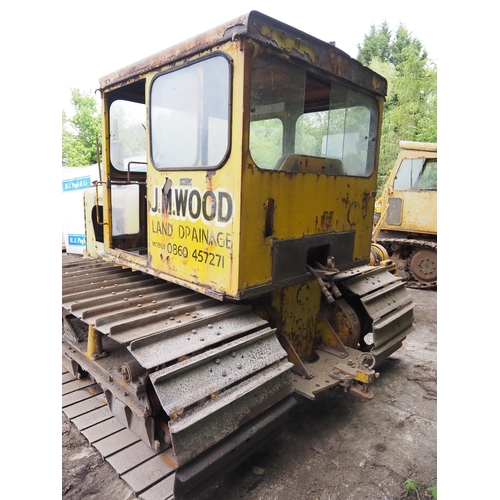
[{"x": 235, "y": 161}]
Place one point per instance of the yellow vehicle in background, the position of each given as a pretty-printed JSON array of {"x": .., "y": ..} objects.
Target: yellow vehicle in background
[
  {"x": 228, "y": 242},
  {"x": 406, "y": 225}
]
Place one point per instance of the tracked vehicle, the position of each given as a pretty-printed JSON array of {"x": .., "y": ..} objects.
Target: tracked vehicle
[
  {"x": 228, "y": 242},
  {"x": 406, "y": 231}
]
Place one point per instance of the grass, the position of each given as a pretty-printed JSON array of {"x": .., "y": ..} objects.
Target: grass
[{"x": 413, "y": 486}]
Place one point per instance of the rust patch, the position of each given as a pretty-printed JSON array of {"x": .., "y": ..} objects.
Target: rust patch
[
  {"x": 295, "y": 46},
  {"x": 366, "y": 196},
  {"x": 327, "y": 221},
  {"x": 269, "y": 221},
  {"x": 167, "y": 192},
  {"x": 169, "y": 460}
]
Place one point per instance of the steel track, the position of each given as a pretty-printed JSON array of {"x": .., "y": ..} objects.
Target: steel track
[
  {"x": 412, "y": 282},
  {"x": 217, "y": 370},
  {"x": 149, "y": 473}
]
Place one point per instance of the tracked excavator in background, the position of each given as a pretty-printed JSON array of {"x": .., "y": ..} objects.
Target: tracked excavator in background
[
  {"x": 406, "y": 229},
  {"x": 226, "y": 270}
]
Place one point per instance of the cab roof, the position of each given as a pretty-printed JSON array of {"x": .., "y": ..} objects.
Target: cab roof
[{"x": 266, "y": 31}]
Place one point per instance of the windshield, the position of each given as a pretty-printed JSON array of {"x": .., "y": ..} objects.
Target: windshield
[{"x": 300, "y": 122}]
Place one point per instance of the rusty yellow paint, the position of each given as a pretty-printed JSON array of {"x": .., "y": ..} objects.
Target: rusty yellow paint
[
  {"x": 94, "y": 343},
  {"x": 304, "y": 205},
  {"x": 339, "y": 326},
  {"x": 294, "y": 311},
  {"x": 288, "y": 44},
  {"x": 328, "y": 335},
  {"x": 231, "y": 258},
  {"x": 363, "y": 377},
  {"x": 419, "y": 212},
  {"x": 196, "y": 251},
  {"x": 418, "y": 207}
]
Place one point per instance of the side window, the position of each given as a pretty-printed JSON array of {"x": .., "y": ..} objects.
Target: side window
[
  {"x": 415, "y": 174},
  {"x": 429, "y": 177},
  {"x": 266, "y": 142},
  {"x": 127, "y": 124}
]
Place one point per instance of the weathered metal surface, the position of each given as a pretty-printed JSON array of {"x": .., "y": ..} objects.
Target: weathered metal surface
[
  {"x": 76, "y": 397},
  {"x": 227, "y": 322},
  {"x": 128, "y": 458},
  {"x": 389, "y": 306},
  {"x": 106, "y": 371},
  {"x": 185, "y": 383},
  {"x": 332, "y": 370},
  {"x": 129, "y": 308},
  {"x": 319, "y": 373},
  {"x": 423, "y": 265},
  {"x": 116, "y": 442},
  {"x": 372, "y": 279},
  {"x": 203, "y": 427},
  {"x": 267, "y": 31},
  {"x": 290, "y": 255},
  {"x": 192, "y": 478},
  {"x": 403, "y": 249},
  {"x": 294, "y": 312},
  {"x": 142, "y": 477},
  {"x": 102, "y": 429},
  {"x": 230, "y": 383},
  {"x": 251, "y": 375},
  {"x": 134, "y": 461}
]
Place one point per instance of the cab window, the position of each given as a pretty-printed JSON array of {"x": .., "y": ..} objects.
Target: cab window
[
  {"x": 301, "y": 122},
  {"x": 190, "y": 116}
]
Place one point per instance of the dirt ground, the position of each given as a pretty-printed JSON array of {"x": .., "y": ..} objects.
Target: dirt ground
[{"x": 337, "y": 447}]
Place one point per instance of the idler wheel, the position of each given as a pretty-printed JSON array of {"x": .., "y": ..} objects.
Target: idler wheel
[{"x": 423, "y": 265}]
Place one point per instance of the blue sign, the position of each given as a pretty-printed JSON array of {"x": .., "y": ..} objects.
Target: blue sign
[
  {"x": 76, "y": 184},
  {"x": 76, "y": 239}
]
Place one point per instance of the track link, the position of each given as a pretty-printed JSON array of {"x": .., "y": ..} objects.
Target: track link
[
  {"x": 177, "y": 374},
  {"x": 146, "y": 471}
]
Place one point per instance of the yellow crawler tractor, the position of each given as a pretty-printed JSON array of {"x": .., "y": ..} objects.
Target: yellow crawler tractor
[
  {"x": 228, "y": 241},
  {"x": 406, "y": 231}
]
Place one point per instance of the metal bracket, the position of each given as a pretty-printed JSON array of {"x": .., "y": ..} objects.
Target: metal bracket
[{"x": 298, "y": 367}]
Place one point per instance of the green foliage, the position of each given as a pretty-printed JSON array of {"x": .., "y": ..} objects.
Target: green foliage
[
  {"x": 413, "y": 486},
  {"x": 79, "y": 132},
  {"x": 377, "y": 44},
  {"x": 402, "y": 41},
  {"x": 433, "y": 491},
  {"x": 410, "y": 112},
  {"x": 382, "y": 44}
]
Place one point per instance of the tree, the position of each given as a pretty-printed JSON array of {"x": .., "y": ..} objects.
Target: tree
[
  {"x": 411, "y": 105},
  {"x": 377, "y": 44},
  {"x": 79, "y": 132},
  {"x": 402, "y": 41},
  {"x": 382, "y": 45}
]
